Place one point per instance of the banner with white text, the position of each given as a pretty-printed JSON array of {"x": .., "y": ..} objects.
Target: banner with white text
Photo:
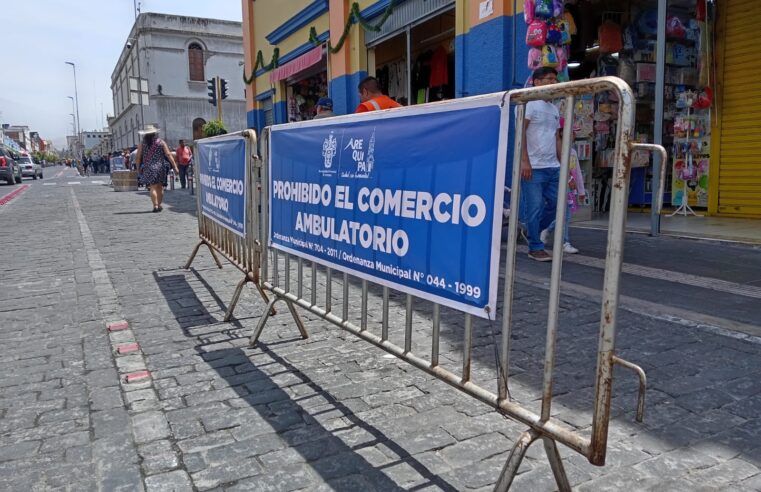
[
  {"x": 410, "y": 199},
  {"x": 222, "y": 181}
]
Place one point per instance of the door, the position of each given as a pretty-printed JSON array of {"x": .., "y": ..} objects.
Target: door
[{"x": 739, "y": 168}]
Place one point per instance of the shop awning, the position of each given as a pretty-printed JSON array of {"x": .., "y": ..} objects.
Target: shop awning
[{"x": 296, "y": 65}]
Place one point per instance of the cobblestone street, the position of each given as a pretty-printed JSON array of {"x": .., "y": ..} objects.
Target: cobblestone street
[{"x": 332, "y": 412}]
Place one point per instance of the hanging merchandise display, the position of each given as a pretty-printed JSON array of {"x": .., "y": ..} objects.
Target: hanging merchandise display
[
  {"x": 429, "y": 74},
  {"x": 303, "y": 96},
  {"x": 549, "y": 33},
  {"x": 619, "y": 38}
]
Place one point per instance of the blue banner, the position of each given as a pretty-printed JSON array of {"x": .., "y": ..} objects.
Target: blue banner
[
  {"x": 117, "y": 163},
  {"x": 222, "y": 181},
  {"x": 410, "y": 198}
]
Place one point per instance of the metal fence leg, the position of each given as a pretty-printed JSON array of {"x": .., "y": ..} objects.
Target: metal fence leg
[
  {"x": 297, "y": 319},
  {"x": 262, "y": 321},
  {"x": 214, "y": 255},
  {"x": 193, "y": 255},
  {"x": 273, "y": 311},
  {"x": 514, "y": 460},
  {"x": 236, "y": 296},
  {"x": 556, "y": 463}
]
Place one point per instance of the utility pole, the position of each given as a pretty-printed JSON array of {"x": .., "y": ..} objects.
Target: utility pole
[{"x": 139, "y": 76}]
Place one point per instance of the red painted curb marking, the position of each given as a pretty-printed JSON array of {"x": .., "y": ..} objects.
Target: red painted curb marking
[
  {"x": 128, "y": 348},
  {"x": 118, "y": 325},
  {"x": 13, "y": 194},
  {"x": 137, "y": 376}
]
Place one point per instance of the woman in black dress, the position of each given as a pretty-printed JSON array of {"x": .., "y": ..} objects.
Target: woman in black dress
[{"x": 153, "y": 161}]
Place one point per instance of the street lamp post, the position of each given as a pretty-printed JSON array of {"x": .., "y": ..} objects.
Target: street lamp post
[
  {"x": 76, "y": 96},
  {"x": 74, "y": 126}
]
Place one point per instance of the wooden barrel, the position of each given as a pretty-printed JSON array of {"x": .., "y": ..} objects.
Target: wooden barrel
[{"x": 124, "y": 180}]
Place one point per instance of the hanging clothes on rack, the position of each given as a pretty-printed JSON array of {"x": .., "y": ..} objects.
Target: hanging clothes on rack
[{"x": 439, "y": 68}]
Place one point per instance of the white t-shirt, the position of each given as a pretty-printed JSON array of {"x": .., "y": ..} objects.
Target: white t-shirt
[{"x": 541, "y": 144}]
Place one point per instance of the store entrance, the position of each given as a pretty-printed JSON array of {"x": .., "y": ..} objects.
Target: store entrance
[
  {"x": 304, "y": 89},
  {"x": 421, "y": 70},
  {"x": 619, "y": 37}
]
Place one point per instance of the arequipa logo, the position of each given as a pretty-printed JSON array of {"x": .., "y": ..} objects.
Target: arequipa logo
[
  {"x": 329, "y": 150},
  {"x": 363, "y": 157}
]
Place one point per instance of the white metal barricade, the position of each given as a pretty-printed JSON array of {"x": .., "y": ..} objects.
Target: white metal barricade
[
  {"x": 289, "y": 278},
  {"x": 242, "y": 251}
]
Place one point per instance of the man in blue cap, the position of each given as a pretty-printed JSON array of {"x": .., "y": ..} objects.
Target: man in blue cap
[{"x": 324, "y": 108}]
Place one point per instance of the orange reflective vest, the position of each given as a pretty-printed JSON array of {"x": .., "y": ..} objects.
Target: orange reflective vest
[{"x": 376, "y": 104}]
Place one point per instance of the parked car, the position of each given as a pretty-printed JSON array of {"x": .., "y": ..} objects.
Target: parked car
[
  {"x": 10, "y": 171},
  {"x": 29, "y": 168}
]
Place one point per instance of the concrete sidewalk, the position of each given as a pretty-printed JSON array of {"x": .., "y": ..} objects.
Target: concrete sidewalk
[
  {"x": 329, "y": 412},
  {"x": 694, "y": 227}
]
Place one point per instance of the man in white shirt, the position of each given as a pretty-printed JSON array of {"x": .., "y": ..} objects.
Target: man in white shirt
[{"x": 540, "y": 165}]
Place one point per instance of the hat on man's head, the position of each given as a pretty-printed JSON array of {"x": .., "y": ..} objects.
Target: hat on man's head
[
  {"x": 148, "y": 129},
  {"x": 325, "y": 102}
]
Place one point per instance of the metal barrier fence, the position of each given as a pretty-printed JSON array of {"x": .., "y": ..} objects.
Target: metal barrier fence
[
  {"x": 243, "y": 252},
  {"x": 294, "y": 280}
]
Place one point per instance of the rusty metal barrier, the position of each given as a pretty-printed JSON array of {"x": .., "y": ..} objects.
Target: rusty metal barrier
[
  {"x": 288, "y": 278},
  {"x": 242, "y": 252}
]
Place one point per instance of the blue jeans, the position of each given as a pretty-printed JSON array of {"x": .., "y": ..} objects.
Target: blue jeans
[{"x": 539, "y": 197}]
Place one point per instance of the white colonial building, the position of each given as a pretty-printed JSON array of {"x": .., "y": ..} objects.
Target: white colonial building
[{"x": 176, "y": 55}]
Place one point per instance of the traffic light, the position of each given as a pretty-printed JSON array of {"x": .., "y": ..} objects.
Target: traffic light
[
  {"x": 223, "y": 92},
  {"x": 211, "y": 85}
]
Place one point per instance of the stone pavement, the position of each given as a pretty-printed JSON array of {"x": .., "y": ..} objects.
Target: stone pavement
[{"x": 329, "y": 412}]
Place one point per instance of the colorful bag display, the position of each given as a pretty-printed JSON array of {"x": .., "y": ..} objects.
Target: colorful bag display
[
  {"x": 674, "y": 27},
  {"x": 534, "y": 58},
  {"x": 544, "y": 9},
  {"x": 647, "y": 22},
  {"x": 567, "y": 17},
  {"x": 549, "y": 56},
  {"x": 565, "y": 32},
  {"x": 528, "y": 11},
  {"x": 553, "y": 34},
  {"x": 536, "y": 34},
  {"x": 557, "y": 8},
  {"x": 562, "y": 57}
]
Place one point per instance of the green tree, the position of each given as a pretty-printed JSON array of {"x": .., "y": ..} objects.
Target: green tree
[{"x": 214, "y": 128}]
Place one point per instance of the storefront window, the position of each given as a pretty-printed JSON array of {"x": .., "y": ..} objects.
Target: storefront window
[
  {"x": 619, "y": 38},
  {"x": 430, "y": 74}
]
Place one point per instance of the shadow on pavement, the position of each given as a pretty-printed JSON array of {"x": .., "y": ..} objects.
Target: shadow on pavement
[
  {"x": 297, "y": 421},
  {"x": 180, "y": 201}
]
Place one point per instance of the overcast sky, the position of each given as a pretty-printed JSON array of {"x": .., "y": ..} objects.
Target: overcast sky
[{"x": 39, "y": 36}]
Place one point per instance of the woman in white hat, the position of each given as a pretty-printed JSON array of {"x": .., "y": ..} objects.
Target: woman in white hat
[{"x": 153, "y": 161}]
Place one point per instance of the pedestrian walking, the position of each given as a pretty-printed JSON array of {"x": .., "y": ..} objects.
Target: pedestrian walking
[
  {"x": 324, "y": 108},
  {"x": 86, "y": 165},
  {"x": 576, "y": 196},
  {"x": 371, "y": 97},
  {"x": 153, "y": 162},
  {"x": 540, "y": 165},
  {"x": 184, "y": 160}
]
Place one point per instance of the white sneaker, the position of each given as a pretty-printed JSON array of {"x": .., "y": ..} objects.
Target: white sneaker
[
  {"x": 568, "y": 248},
  {"x": 544, "y": 236}
]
